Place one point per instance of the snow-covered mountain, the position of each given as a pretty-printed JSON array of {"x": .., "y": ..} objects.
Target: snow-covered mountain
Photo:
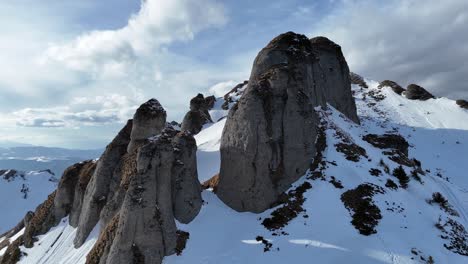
[
  {"x": 36, "y": 158},
  {"x": 391, "y": 189},
  {"x": 21, "y": 192}
]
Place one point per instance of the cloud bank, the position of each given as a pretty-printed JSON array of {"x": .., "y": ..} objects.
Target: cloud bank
[{"x": 406, "y": 40}]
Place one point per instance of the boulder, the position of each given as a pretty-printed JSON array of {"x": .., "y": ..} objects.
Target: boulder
[
  {"x": 148, "y": 121},
  {"x": 198, "y": 114},
  {"x": 268, "y": 140},
  {"x": 416, "y": 92},
  {"x": 396, "y": 88},
  {"x": 333, "y": 76},
  {"x": 388, "y": 141},
  {"x": 462, "y": 103}
]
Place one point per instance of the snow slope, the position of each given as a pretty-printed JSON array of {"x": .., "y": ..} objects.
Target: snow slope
[
  {"x": 437, "y": 131},
  {"x": 22, "y": 193}
]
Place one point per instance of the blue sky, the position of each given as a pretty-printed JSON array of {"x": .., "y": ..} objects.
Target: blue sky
[{"x": 71, "y": 72}]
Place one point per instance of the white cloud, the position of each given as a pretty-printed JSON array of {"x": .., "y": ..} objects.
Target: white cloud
[
  {"x": 222, "y": 88},
  {"x": 82, "y": 111},
  {"x": 110, "y": 53},
  {"x": 405, "y": 40}
]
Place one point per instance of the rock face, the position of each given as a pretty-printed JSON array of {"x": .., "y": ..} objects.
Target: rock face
[
  {"x": 333, "y": 76},
  {"x": 358, "y": 80},
  {"x": 269, "y": 138},
  {"x": 165, "y": 189},
  {"x": 136, "y": 196},
  {"x": 416, "y": 92},
  {"x": 462, "y": 103},
  {"x": 149, "y": 120},
  {"x": 396, "y": 88},
  {"x": 198, "y": 114}
]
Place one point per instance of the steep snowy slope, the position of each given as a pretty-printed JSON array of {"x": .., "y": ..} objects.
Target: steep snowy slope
[
  {"x": 350, "y": 208},
  {"x": 21, "y": 192}
]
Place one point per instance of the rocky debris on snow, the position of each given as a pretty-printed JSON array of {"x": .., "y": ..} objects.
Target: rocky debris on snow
[
  {"x": 334, "y": 76},
  {"x": 462, "y": 103},
  {"x": 318, "y": 164},
  {"x": 456, "y": 235},
  {"x": 366, "y": 215},
  {"x": 400, "y": 173},
  {"x": 198, "y": 114},
  {"x": 416, "y": 92},
  {"x": 149, "y": 120},
  {"x": 269, "y": 136},
  {"x": 336, "y": 183},
  {"x": 267, "y": 244},
  {"x": 290, "y": 209},
  {"x": 396, "y": 88},
  {"x": 391, "y": 184},
  {"x": 10, "y": 175},
  {"x": 388, "y": 141},
  {"x": 438, "y": 198},
  {"x": 357, "y": 80},
  {"x": 233, "y": 95},
  {"x": 352, "y": 151},
  {"x": 375, "y": 172}
]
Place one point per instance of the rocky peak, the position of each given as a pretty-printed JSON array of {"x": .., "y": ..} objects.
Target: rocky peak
[
  {"x": 149, "y": 120},
  {"x": 198, "y": 114},
  {"x": 416, "y": 92},
  {"x": 269, "y": 138}
]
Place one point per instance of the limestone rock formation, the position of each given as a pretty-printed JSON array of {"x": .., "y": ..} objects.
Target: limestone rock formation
[
  {"x": 393, "y": 85},
  {"x": 333, "y": 76},
  {"x": 97, "y": 191},
  {"x": 149, "y": 120},
  {"x": 416, "y": 92},
  {"x": 166, "y": 188},
  {"x": 268, "y": 140},
  {"x": 198, "y": 114},
  {"x": 462, "y": 103}
]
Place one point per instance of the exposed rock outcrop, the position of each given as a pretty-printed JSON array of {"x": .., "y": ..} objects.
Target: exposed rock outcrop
[
  {"x": 388, "y": 141},
  {"x": 149, "y": 120},
  {"x": 334, "y": 76},
  {"x": 234, "y": 94},
  {"x": 462, "y": 103},
  {"x": 357, "y": 80},
  {"x": 269, "y": 138},
  {"x": 416, "y": 92},
  {"x": 99, "y": 188},
  {"x": 198, "y": 114},
  {"x": 166, "y": 188},
  {"x": 396, "y": 88}
]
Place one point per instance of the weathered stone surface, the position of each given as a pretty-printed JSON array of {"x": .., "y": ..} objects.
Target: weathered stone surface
[
  {"x": 166, "y": 187},
  {"x": 268, "y": 140},
  {"x": 462, "y": 103},
  {"x": 232, "y": 94},
  {"x": 393, "y": 85},
  {"x": 198, "y": 114},
  {"x": 149, "y": 120},
  {"x": 333, "y": 76},
  {"x": 40, "y": 221},
  {"x": 186, "y": 189},
  {"x": 416, "y": 92},
  {"x": 86, "y": 172},
  {"x": 70, "y": 188},
  {"x": 97, "y": 191}
]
